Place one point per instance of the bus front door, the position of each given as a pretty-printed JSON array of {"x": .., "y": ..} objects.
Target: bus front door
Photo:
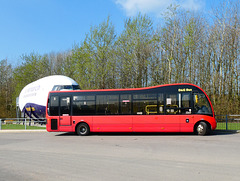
[
  {"x": 186, "y": 117},
  {"x": 65, "y": 111}
]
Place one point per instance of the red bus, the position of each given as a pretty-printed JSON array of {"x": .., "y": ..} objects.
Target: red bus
[{"x": 165, "y": 108}]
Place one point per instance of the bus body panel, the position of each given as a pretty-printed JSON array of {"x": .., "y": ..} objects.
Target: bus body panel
[
  {"x": 65, "y": 120},
  {"x": 186, "y": 123},
  {"x": 66, "y": 129},
  {"x": 112, "y": 123},
  {"x": 147, "y": 123},
  {"x": 156, "y": 123}
]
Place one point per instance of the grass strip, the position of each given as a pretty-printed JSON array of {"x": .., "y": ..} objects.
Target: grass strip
[{"x": 18, "y": 126}]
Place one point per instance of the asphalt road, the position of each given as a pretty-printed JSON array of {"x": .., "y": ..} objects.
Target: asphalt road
[{"x": 64, "y": 156}]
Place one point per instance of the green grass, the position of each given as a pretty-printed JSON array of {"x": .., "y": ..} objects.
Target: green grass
[
  {"x": 231, "y": 126},
  {"x": 18, "y": 126}
]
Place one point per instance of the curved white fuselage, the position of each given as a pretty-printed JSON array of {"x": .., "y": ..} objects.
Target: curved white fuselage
[{"x": 33, "y": 97}]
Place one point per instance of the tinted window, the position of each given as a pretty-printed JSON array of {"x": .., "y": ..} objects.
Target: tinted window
[
  {"x": 65, "y": 106},
  {"x": 144, "y": 104},
  {"x": 185, "y": 99},
  {"x": 185, "y": 104},
  {"x": 172, "y": 103},
  {"x": 107, "y": 104},
  {"x": 144, "y": 107},
  {"x": 161, "y": 103},
  {"x": 83, "y": 105},
  {"x": 125, "y": 102},
  {"x": 179, "y": 103},
  {"x": 53, "y": 106},
  {"x": 145, "y": 96}
]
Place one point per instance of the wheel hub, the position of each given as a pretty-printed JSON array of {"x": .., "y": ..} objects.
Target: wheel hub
[
  {"x": 200, "y": 128},
  {"x": 83, "y": 129}
]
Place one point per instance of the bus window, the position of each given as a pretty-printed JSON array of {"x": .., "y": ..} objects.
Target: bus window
[
  {"x": 145, "y": 96},
  {"x": 53, "y": 107},
  {"x": 161, "y": 103},
  {"x": 201, "y": 104},
  {"x": 185, "y": 104},
  {"x": 65, "y": 106},
  {"x": 107, "y": 104},
  {"x": 83, "y": 105},
  {"x": 172, "y": 104},
  {"x": 144, "y": 104},
  {"x": 125, "y": 103}
]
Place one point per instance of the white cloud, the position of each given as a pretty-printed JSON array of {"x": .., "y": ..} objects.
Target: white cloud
[
  {"x": 194, "y": 5},
  {"x": 157, "y": 7}
]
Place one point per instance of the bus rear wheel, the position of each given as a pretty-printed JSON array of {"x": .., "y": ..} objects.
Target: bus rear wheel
[
  {"x": 202, "y": 129},
  {"x": 83, "y": 129}
]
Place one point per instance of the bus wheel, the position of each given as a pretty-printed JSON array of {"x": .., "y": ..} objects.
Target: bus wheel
[
  {"x": 202, "y": 129},
  {"x": 83, "y": 129}
]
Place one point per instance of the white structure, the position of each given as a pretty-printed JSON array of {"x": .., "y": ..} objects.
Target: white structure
[{"x": 33, "y": 97}]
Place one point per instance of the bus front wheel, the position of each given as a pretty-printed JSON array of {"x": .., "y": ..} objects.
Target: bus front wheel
[
  {"x": 202, "y": 129},
  {"x": 83, "y": 129}
]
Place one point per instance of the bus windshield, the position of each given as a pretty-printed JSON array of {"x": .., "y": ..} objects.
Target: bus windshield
[{"x": 201, "y": 104}]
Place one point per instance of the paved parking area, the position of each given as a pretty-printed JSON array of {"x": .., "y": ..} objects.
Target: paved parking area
[{"x": 65, "y": 156}]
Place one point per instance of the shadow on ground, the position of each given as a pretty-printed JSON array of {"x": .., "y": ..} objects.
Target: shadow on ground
[
  {"x": 213, "y": 133},
  {"x": 224, "y": 132}
]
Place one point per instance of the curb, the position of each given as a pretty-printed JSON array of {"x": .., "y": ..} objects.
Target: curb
[{"x": 22, "y": 131}]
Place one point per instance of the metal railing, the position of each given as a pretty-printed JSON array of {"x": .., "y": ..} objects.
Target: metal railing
[
  {"x": 22, "y": 123},
  {"x": 228, "y": 122}
]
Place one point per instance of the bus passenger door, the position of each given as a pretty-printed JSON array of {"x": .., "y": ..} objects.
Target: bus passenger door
[
  {"x": 171, "y": 122},
  {"x": 65, "y": 111},
  {"x": 186, "y": 116}
]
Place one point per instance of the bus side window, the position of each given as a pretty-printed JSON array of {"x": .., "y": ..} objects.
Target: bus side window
[
  {"x": 125, "y": 103},
  {"x": 161, "y": 103},
  {"x": 113, "y": 104},
  {"x": 65, "y": 106},
  {"x": 185, "y": 103},
  {"x": 53, "y": 106},
  {"x": 172, "y": 104},
  {"x": 83, "y": 105},
  {"x": 107, "y": 104},
  {"x": 144, "y": 104}
]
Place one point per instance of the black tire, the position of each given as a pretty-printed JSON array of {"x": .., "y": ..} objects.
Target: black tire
[
  {"x": 83, "y": 129},
  {"x": 202, "y": 129}
]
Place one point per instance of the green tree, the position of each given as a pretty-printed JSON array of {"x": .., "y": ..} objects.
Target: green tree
[
  {"x": 95, "y": 63},
  {"x": 134, "y": 50},
  {"x": 6, "y": 90},
  {"x": 34, "y": 67}
]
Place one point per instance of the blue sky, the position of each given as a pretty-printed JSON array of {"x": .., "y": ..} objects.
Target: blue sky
[{"x": 45, "y": 26}]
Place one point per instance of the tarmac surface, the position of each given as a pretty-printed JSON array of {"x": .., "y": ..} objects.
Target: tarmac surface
[{"x": 39, "y": 155}]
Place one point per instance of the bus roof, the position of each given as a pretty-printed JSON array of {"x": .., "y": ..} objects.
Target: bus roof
[{"x": 133, "y": 89}]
